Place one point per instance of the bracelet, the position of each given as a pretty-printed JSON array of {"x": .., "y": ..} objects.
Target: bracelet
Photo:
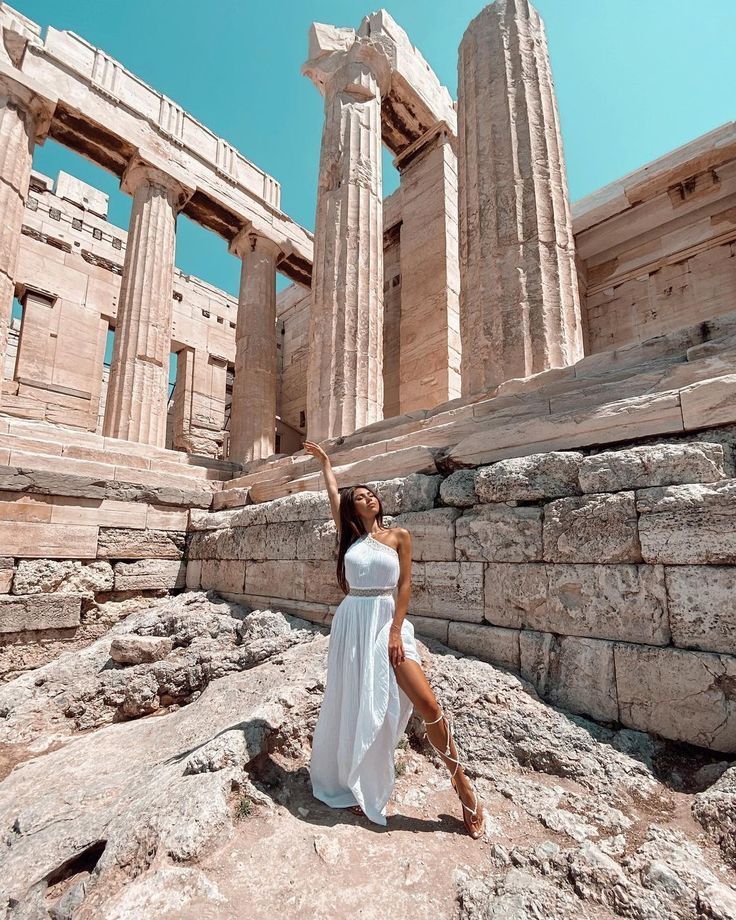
[{"x": 395, "y": 627}]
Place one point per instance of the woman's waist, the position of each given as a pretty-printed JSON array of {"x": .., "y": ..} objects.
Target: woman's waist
[{"x": 371, "y": 590}]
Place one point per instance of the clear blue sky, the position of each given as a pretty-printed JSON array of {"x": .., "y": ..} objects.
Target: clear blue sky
[{"x": 634, "y": 79}]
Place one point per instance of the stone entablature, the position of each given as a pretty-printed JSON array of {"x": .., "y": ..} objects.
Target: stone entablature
[{"x": 108, "y": 114}]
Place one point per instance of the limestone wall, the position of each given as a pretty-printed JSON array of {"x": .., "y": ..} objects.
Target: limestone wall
[
  {"x": 606, "y": 578},
  {"x": 86, "y": 524}
]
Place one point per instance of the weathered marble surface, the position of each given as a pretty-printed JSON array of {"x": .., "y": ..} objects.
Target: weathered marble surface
[
  {"x": 538, "y": 476},
  {"x": 689, "y": 523},
  {"x": 520, "y": 307},
  {"x": 652, "y": 465}
]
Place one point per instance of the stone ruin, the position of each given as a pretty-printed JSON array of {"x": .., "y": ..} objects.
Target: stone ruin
[{"x": 544, "y": 395}]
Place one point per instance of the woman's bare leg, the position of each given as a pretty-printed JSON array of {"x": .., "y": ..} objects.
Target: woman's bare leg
[{"x": 413, "y": 681}]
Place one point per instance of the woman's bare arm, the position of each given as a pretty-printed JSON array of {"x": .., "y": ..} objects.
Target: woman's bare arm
[
  {"x": 403, "y": 594},
  {"x": 331, "y": 483}
]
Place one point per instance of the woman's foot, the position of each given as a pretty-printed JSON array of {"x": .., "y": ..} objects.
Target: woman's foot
[{"x": 473, "y": 816}]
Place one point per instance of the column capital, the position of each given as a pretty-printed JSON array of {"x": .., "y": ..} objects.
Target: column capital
[
  {"x": 38, "y": 108},
  {"x": 251, "y": 239},
  {"x": 339, "y": 57},
  {"x": 139, "y": 171},
  {"x": 440, "y": 133}
]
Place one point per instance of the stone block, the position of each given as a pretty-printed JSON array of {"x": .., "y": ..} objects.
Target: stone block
[
  {"x": 121, "y": 543},
  {"x": 538, "y": 476},
  {"x": 623, "y": 420},
  {"x": 6, "y": 574},
  {"x": 415, "y": 492},
  {"x": 132, "y": 649},
  {"x": 229, "y": 498},
  {"x": 150, "y": 574},
  {"x": 592, "y": 528},
  {"x": 45, "y": 482},
  {"x": 430, "y": 628},
  {"x": 433, "y": 533},
  {"x": 626, "y": 602},
  {"x": 158, "y": 518},
  {"x": 47, "y": 576},
  {"x": 304, "y": 506},
  {"x": 317, "y": 540},
  {"x": 499, "y": 533},
  {"x": 451, "y": 590},
  {"x": 490, "y": 643},
  {"x": 710, "y": 402},
  {"x": 702, "y": 607},
  {"x": 38, "y": 612},
  {"x": 320, "y": 583},
  {"x": 48, "y": 541},
  {"x": 689, "y": 524},
  {"x": 681, "y": 695},
  {"x": 223, "y": 575},
  {"x": 194, "y": 575},
  {"x": 458, "y": 490},
  {"x": 570, "y": 672},
  {"x": 276, "y": 578},
  {"x": 652, "y": 465},
  {"x": 516, "y": 594}
]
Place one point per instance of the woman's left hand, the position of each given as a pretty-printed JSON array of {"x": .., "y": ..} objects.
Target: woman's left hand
[{"x": 395, "y": 647}]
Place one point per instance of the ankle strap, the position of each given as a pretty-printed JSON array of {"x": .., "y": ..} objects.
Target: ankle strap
[{"x": 435, "y": 721}]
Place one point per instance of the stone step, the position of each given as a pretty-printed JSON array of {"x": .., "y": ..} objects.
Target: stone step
[
  {"x": 41, "y": 437},
  {"x": 175, "y": 477}
]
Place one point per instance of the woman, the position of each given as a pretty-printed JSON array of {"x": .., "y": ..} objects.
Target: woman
[{"x": 374, "y": 673}]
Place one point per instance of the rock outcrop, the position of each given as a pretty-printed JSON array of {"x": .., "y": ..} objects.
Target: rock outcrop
[{"x": 177, "y": 787}]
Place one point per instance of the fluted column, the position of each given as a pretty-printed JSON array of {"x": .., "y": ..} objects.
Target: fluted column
[
  {"x": 519, "y": 301},
  {"x": 345, "y": 373},
  {"x": 137, "y": 392},
  {"x": 253, "y": 409},
  {"x": 17, "y": 139}
]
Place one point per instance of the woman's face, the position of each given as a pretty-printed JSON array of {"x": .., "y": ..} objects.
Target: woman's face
[{"x": 366, "y": 503}]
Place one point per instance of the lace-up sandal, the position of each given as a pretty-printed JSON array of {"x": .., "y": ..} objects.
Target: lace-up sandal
[{"x": 473, "y": 831}]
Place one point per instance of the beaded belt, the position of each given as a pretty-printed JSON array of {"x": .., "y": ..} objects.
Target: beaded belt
[{"x": 370, "y": 592}]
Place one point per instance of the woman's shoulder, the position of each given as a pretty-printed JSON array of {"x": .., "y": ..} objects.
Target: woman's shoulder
[{"x": 402, "y": 536}]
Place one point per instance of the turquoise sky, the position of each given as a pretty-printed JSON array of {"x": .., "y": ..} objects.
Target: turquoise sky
[{"x": 634, "y": 78}]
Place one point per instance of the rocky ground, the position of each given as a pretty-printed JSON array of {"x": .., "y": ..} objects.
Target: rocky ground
[{"x": 161, "y": 773}]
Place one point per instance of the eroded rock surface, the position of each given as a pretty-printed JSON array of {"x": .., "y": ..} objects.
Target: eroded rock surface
[{"x": 178, "y": 787}]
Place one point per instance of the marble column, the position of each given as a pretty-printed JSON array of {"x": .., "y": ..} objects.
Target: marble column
[
  {"x": 519, "y": 301},
  {"x": 253, "y": 408},
  {"x": 18, "y": 125},
  {"x": 345, "y": 373},
  {"x": 430, "y": 275},
  {"x": 137, "y": 392}
]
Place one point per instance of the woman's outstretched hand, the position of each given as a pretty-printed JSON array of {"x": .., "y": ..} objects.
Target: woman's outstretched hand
[
  {"x": 316, "y": 451},
  {"x": 395, "y": 647}
]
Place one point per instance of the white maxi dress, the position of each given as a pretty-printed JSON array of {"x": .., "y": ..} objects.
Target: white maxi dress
[{"x": 364, "y": 711}]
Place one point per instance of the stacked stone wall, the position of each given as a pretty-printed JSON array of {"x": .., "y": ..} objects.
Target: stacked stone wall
[
  {"x": 606, "y": 578},
  {"x": 74, "y": 554}
]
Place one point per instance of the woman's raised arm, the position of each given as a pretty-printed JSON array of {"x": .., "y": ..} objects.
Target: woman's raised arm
[{"x": 330, "y": 480}]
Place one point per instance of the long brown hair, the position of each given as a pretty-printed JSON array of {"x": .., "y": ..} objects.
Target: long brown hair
[{"x": 351, "y": 527}]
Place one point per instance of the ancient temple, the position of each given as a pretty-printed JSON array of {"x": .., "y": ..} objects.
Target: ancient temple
[{"x": 545, "y": 393}]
